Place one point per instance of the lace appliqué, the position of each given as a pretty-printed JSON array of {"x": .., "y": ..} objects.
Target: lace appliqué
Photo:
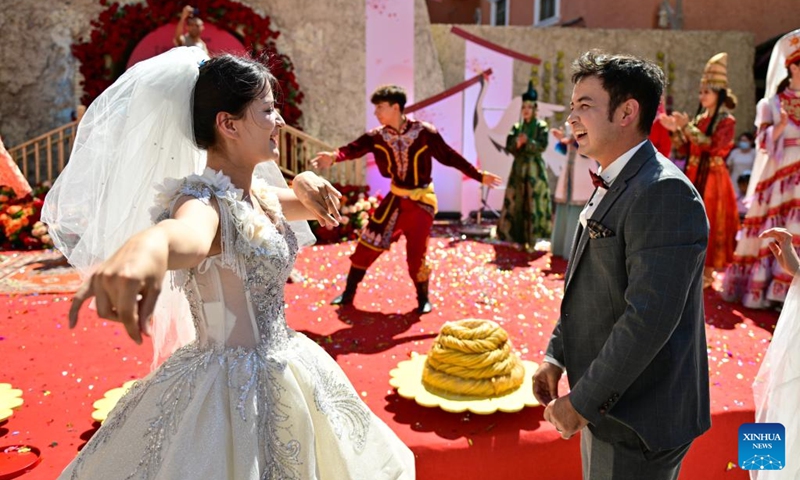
[
  {"x": 181, "y": 370},
  {"x": 341, "y": 405},
  {"x": 116, "y": 419}
]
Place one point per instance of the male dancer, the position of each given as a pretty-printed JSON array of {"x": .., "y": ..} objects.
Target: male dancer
[{"x": 404, "y": 151}]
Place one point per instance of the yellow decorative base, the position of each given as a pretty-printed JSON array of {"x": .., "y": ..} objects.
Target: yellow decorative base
[
  {"x": 10, "y": 398},
  {"x": 104, "y": 406},
  {"x": 407, "y": 379}
]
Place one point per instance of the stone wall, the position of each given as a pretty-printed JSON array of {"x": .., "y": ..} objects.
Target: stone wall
[
  {"x": 682, "y": 54},
  {"x": 38, "y": 71},
  {"x": 39, "y": 79}
]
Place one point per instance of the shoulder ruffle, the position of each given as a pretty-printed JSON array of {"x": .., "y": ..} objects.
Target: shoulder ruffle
[
  {"x": 203, "y": 187},
  {"x": 234, "y": 213}
]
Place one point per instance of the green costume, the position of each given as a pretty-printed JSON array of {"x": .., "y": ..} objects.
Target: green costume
[{"x": 527, "y": 209}]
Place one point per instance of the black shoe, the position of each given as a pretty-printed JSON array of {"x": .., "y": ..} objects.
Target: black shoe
[
  {"x": 424, "y": 307},
  {"x": 423, "y": 304},
  {"x": 354, "y": 277},
  {"x": 343, "y": 299}
]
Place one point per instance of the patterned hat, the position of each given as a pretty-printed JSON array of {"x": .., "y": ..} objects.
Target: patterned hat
[
  {"x": 531, "y": 95},
  {"x": 790, "y": 47},
  {"x": 715, "y": 75}
]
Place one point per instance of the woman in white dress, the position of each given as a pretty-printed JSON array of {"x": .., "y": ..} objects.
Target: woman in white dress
[
  {"x": 752, "y": 278},
  {"x": 248, "y": 398},
  {"x": 776, "y": 389}
]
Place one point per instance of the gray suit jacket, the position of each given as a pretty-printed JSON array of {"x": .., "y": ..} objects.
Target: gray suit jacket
[{"x": 631, "y": 332}]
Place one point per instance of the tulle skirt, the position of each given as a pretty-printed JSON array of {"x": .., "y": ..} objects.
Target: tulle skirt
[{"x": 242, "y": 414}]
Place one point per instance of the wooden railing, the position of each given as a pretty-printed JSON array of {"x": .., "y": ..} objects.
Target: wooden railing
[
  {"x": 298, "y": 148},
  {"x": 43, "y": 157}
]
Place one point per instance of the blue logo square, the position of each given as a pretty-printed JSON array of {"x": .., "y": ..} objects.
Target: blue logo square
[{"x": 762, "y": 446}]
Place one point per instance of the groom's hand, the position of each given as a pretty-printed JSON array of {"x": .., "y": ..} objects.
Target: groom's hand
[
  {"x": 564, "y": 417},
  {"x": 545, "y": 382}
]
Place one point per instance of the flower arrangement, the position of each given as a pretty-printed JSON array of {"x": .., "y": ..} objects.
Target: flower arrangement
[
  {"x": 20, "y": 227},
  {"x": 119, "y": 28},
  {"x": 357, "y": 206}
]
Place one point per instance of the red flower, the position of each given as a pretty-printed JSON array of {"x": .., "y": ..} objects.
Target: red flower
[
  {"x": 18, "y": 217},
  {"x": 118, "y": 29}
]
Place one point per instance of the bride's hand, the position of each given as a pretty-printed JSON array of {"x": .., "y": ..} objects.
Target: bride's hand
[
  {"x": 319, "y": 197},
  {"x": 127, "y": 285},
  {"x": 783, "y": 249}
]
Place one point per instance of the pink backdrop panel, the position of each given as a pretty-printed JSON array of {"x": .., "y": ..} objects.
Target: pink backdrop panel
[
  {"x": 446, "y": 115},
  {"x": 485, "y": 107},
  {"x": 390, "y": 59}
]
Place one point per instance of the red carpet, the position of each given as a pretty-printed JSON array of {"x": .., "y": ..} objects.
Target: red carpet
[{"x": 63, "y": 372}]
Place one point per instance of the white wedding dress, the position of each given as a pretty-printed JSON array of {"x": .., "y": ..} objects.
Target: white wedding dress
[
  {"x": 777, "y": 386},
  {"x": 249, "y": 398}
]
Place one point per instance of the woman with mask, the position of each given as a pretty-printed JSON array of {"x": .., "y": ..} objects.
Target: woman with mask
[{"x": 741, "y": 158}]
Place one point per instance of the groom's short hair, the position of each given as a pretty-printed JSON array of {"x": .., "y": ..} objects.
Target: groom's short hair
[{"x": 624, "y": 77}]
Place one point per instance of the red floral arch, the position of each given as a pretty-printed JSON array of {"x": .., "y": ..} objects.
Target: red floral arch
[{"x": 119, "y": 29}]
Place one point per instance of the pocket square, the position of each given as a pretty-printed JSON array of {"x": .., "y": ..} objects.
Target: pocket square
[{"x": 598, "y": 230}]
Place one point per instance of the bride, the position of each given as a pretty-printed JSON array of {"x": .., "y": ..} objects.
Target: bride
[
  {"x": 247, "y": 397},
  {"x": 777, "y": 386}
]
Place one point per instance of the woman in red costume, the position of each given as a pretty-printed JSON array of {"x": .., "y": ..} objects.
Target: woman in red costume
[{"x": 709, "y": 139}]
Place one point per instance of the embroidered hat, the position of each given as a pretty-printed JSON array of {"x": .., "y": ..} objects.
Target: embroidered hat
[
  {"x": 790, "y": 47},
  {"x": 715, "y": 75}
]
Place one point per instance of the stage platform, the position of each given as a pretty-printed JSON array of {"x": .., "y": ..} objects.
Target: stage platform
[{"x": 62, "y": 372}]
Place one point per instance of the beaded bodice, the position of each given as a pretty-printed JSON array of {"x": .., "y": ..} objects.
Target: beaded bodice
[{"x": 236, "y": 297}]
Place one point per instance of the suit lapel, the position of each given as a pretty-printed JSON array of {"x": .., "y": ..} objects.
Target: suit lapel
[
  {"x": 642, "y": 155},
  {"x": 577, "y": 246}
]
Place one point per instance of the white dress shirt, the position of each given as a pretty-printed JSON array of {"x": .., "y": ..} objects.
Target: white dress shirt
[{"x": 609, "y": 175}]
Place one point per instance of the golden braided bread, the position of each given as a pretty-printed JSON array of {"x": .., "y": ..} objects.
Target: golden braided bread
[{"x": 472, "y": 358}]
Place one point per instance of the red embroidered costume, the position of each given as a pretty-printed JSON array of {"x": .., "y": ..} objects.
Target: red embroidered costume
[{"x": 406, "y": 158}]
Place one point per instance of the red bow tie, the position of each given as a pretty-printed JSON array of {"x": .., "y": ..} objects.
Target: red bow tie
[{"x": 598, "y": 181}]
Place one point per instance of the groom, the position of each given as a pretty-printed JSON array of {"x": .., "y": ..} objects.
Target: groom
[{"x": 631, "y": 335}]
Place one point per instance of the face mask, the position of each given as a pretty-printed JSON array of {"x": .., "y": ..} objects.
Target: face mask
[{"x": 744, "y": 145}]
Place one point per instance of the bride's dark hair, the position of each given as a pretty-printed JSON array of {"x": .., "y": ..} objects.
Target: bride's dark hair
[{"x": 227, "y": 83}]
